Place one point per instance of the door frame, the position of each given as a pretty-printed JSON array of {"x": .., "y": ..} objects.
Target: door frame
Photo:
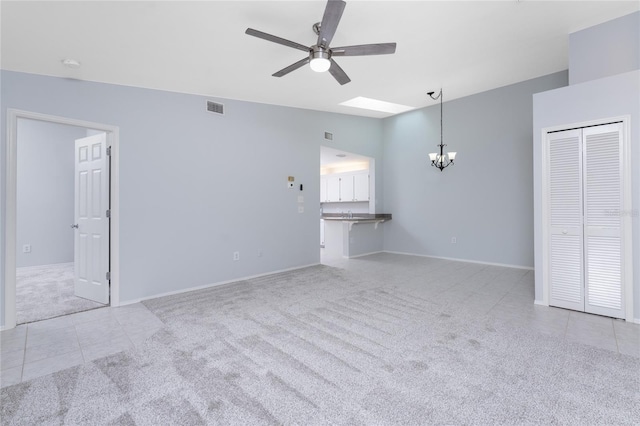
[
  {"x": 11, "y": 196},
  {"x": 626, "y": 223}
]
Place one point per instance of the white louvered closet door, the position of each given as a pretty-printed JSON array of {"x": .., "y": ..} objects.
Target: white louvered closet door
[
  {"x": 602, "y": 220},
  {"x": 565, "y": 212}
]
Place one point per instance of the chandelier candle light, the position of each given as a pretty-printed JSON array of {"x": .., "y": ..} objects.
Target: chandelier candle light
[{"x": 441, "y": 160}]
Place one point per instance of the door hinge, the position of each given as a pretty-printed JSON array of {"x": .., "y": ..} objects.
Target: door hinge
[
  {"x": 109, "y": 213},
  {"x": 108, "y": 276},
  {"x": 109, "y": 151}
]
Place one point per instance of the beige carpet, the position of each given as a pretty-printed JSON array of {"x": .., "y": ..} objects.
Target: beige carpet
[
  {"x": 44, "y": 292},
  {"x": 376, "y": 344}
]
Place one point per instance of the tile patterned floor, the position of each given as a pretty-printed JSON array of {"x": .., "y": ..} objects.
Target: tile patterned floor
[
  {"x": 503, "y": 294},
  {"x": 39, "y": 348}
]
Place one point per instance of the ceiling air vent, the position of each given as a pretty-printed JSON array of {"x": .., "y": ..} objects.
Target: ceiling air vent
[
  {"x": 328, "y": 136},
  {"x": 215, "y": 107}
]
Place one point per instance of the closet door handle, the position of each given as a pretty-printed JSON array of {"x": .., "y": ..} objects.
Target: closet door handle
[
  {"x": 564, "y": 231},
  {"x": 74, "y": 226}
]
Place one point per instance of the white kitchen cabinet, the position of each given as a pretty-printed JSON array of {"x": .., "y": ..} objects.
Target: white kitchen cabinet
[
  {"x": 323, "y": 189},
  {"x": 361, "y": 186},
  {"x": 345, "y": 187},
  {"x": 333, "y": 188},
  {"x": 329, "y": 189}
]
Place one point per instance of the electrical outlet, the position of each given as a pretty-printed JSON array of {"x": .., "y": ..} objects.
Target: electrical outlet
[
  {"x": 26, "y": 248},
  {"x": 236, "y": 255},
  {"x": 454, "y": 240},
  {"x": 300, "y": 209}
]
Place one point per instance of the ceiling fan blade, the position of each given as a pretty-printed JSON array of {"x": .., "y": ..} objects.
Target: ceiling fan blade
[
  {"x": 338, "y": 73},
  {"x": 330, "y": 20},
  {"x": 292, "y": 67},
  {"x": 276, "y": 39},
  {"x": 364, "y": 49}
]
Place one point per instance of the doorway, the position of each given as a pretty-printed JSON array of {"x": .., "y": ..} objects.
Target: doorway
[
  {"x": 47, "y": 206},
  {"x": 586, "y": 225},
  {"x": 49, "y": 194},
  {"x": 347, "y": 188}
]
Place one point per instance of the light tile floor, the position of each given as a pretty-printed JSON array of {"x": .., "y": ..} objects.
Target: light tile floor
[
  {"x": 498, "y": 293},
  {"x": 484, "y": 292},
  {"x": 39, "y": 348}
]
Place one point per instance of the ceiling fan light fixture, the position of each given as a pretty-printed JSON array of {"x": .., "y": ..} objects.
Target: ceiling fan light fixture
[
  {"x": 319, "y": 60},
  {"x": 320, "y": 64}
]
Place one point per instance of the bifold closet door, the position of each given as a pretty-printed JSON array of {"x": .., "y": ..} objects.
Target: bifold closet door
[
  {"x": 565, "y": 213},
  {"x": 602, "y": 220}
]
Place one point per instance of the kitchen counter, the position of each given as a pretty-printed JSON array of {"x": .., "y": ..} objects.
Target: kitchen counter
[
  {"x": 357, "y": 216},
  {"x": 353, "y": 236}
]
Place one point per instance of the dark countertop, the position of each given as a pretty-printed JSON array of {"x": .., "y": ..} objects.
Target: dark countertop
[{"x": 356, "y": 216}]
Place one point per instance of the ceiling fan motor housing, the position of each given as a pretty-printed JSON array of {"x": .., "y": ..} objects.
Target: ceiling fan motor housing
[{"x": 318, "y": 52}]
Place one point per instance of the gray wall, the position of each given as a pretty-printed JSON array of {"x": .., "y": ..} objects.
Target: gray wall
[
  {"x": 195, "y": 187},
  {"x": 603, "y": 85},
  {"x": 604, "y": 50},
  {"x": 598, "y": 99},
  {"x": 485, "y": 200},
  {"x": 45, "y": 192}
]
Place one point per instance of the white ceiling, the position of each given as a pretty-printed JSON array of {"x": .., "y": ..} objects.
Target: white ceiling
[{"x": 200, "y": 47}]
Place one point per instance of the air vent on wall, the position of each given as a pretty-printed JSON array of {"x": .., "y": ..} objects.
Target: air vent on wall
[
  {"x": 215, "y": 107},
  {"x": 328, "y": 136}
]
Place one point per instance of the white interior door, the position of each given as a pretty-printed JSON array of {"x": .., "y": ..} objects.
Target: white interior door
[
  {"x": 566, "y": 230},
  {"x": 602, "y": 220},
  {"x": 91, "y": 259}
]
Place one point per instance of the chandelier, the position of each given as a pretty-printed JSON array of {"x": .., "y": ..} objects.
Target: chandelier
[{"x": 442, "y": 160}]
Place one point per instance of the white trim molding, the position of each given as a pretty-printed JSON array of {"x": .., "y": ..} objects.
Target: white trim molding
[
  {"x": 504, "y": 265},
  {"x": 362, "y": 255},
  {"x": 217, "y": 284},
  {"x": 113, "y": 140}
]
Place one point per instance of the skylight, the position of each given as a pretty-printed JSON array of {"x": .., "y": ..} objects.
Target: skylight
[{"x": 376, "y": 105}]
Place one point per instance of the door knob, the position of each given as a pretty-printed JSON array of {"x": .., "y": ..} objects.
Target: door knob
[
  {"x": 75, "y": 226},
  {"x": 564, "y": 231}
]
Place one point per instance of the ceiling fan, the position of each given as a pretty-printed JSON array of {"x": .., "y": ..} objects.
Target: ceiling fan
[{"x": 320, "y": 55}]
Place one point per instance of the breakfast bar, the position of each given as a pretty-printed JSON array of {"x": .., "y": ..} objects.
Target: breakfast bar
[{"x": 353, "y": 235}]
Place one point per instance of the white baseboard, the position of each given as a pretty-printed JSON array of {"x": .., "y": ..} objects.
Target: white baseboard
[
  {"x": 504, "y": 265},
  {"x": 540, "y": 302},
  {"x": 216, "y": 284},
  {"x": 364, "y": 254}
]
